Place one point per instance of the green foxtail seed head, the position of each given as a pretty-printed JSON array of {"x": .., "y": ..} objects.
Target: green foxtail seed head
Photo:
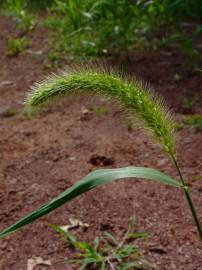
[{"x": 132, "y": 94}]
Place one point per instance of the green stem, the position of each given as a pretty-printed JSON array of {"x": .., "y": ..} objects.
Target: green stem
[{"x": 188, "y": 196}]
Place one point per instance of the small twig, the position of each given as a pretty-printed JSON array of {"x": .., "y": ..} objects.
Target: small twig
[{"x": 110, "y": 264}]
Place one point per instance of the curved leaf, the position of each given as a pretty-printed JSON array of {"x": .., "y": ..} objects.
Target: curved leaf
[{"x": 92, "y": 180}]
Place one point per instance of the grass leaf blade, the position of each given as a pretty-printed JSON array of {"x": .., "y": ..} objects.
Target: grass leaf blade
[{"x": 92, "y": 180}]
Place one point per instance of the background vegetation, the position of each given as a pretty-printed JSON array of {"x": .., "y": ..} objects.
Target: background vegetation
[{"x": 90, "y": 29}]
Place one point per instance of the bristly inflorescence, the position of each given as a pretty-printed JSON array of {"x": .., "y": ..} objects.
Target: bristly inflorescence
[{"x": 132, "y": 94}]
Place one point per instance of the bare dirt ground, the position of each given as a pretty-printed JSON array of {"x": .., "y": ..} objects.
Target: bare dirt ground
[{"x": 43, "y": 156}]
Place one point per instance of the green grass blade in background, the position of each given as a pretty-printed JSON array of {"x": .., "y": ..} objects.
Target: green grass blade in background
[{"x": 92, "y": 180}]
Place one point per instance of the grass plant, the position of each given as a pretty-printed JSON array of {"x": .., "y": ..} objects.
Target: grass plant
[
  {"x": 194, "y": 121},
  {"x": 135, "y": 97},
  {"x": 16, "y": 45},
  {"x": 88, "y": 29},
  {"x": 107, "y": 252},
  {"x": 95, "y": 28},
  {"x": 19, "y": 10}
]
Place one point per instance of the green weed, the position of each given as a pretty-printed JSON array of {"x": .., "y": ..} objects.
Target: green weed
[
  {"x": 188, "y": 103},
  {"x": 15, "y": 46},
  {"x": 23, "y": 18},
  {"x": 106, "y": 252},
  {"x": 24, "y": 21},
  {"x": 178, "y": 126},
  {"x": 95, "y": 28},
  {"x": 30, "y": 6},
  {"x": 89, "y": 29},
  {"x": 194, "y": 121}
]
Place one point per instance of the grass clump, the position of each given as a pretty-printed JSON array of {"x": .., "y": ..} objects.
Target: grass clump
[
  {"x": 16, "y": 45},
  {"x": 194, "y": 121},
  {"x": 107, "y": 252}
]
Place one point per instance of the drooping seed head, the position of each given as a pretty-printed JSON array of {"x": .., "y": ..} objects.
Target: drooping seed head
[{"x": 130, "y": 93}]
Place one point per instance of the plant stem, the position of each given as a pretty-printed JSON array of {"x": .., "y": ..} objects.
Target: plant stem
[
  {"x": 110, "y": 264},
  {"x": 188, "y": 196}
]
